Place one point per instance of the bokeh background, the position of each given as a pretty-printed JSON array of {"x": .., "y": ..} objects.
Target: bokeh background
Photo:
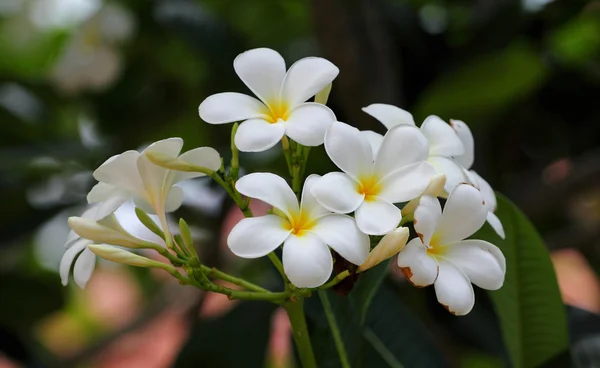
[{"x": 81, "y": 80}]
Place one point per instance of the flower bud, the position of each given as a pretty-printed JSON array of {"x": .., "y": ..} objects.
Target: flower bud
[
  {"x": 118, "y": 255},
  {"x": 434, "y": 189},
  {"x": 388, "y": 246},
  {"x": 169, "y": 162},
  {"x": 100, "y": 233}
]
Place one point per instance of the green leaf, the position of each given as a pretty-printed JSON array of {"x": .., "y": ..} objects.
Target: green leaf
[
  {"x": 237, "y": 339},
  {"x": 482, "y": 87},
  {"x": 376, "y": 328},
  {"x": 532, "y": 315},
  {"x": 395, "y": 337}
]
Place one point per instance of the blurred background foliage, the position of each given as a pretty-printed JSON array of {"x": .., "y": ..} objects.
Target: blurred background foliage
[{"x": 81, "y": 80}]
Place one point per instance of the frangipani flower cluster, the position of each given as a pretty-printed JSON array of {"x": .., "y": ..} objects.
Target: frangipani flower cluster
[{"x": 383, "y": 183}]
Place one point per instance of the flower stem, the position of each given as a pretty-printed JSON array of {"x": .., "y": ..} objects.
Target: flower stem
[
  {"x": 235, "y": 161},
  {"x": 234, "y": 280},
  {"x": 295, "y": 312},
  {"x": 335, "y": 331},
  {"x": 336, "y": 280}
]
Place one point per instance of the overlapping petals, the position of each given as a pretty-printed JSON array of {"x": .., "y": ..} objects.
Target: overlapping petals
[
  {"x": 466, "y": 160},
  {"x": 444, "y": 143},
  {"x": 281, "y": 108},
  {"x": 306, "y": 230},
  {"x": 370, "y": 185},
  {"x": 131, "y": 175},
  {"x": 441, "y": 256}
]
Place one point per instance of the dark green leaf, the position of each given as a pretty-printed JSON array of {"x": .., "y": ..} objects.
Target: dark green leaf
[
  {"x": 532, "y": 315},
  {"x": 237, "y": 339},
  {"x": 395, "y": 337}
]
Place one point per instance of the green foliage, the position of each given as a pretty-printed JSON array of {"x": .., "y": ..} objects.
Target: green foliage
[
  {"x": 482, "y": 87},
  {"x": 376, "y": 328},
  {"x": 532, "y": 315},
  {"x": 237, "y": 339}
]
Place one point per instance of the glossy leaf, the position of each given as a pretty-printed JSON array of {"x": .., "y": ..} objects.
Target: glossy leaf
[{"x": 531, "y": 313}]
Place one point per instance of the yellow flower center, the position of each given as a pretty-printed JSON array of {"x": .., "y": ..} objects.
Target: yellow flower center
[
  {"x": 435, "y": 248},
  {"x": 299, "y": 223},
  {"x": 277, "y": 110},
  {"x": 369, "y": 186}
]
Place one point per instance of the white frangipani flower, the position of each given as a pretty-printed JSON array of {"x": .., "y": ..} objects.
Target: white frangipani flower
[
  {"x": 441, "y": 256},
  {"x": 132, "y": 175},
  {"x": 444, "y": 144},
  {"x": 282, "y": 108},
  {"x": 305, "y": 230},
  {"x": 466, "y": 160},
  {"x": 370, "y": 185}
]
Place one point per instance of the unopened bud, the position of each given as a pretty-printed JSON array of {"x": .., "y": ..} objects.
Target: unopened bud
[
  {"x": 118, "y": 255},
  {"x": 100, "y": 233},
  {"x": 388, "y": 246},
  {"x": 434, "y": 189}
]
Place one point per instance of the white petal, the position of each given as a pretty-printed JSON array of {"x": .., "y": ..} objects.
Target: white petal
[
  {"x": 121, "y": 171},
  {"x": 482, "y": 262},
  {"x": 262, "y": 70},
  {"x": 110, "y": 198},
  {"x": 206, "y": 157},
  {"x": 495, "y": 223},
  {"x": 271, "y": 189},
  {"x": 255, "y": 237},
  {"x": 337, "y": 192},
  {"x": 402, "y": 145},
  {"x": 453, "y": 290},
  {"x": 486, "y": 190},
  {"x": 427, "y": 216},
  {"x": 374, "y": 139},
  {"x": 349, "y": 150},
  {"x": 308, "y": 203},
  {"x": 101, "y": 192},
  {"x": 464, "y": 213},
  {"x": 418, "y": 267},
  {"x": 443, "y": 140},
  {"x": 306, "y": 260},
  {"x": 466, "y": 137},
  {"x": 389, "y": 115},
  {"x": 377, "y": 217},
  {"x": 168, "y": 147},
  {"x": 158, "y": 180},
  {"x": 455, "y": 174},
  {"x": 174, "y": 199},
  {"x": 342, "y": 235},
  {"x": 308, "y": 123},
  {"x": 229, "y": 107},
  {"x": 257, "y": 135},
  {"x": 305, "y": 78},
  {"x": 67, "y": 259},
  {"x": 407, "y": 183},
  {"x": 84, "y": 267}
]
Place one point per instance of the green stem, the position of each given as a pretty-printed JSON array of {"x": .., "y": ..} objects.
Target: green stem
[
  {"x": 336, "y": 280},
  {"x": 235, "y": 161},
  {"x": 277, "y": 298},
  {"x": 234, "y": 280},
  {"x": 278, "y": 265},
  {"x": 335, "y": 331},
  {"x": 295, "y": 312}
]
